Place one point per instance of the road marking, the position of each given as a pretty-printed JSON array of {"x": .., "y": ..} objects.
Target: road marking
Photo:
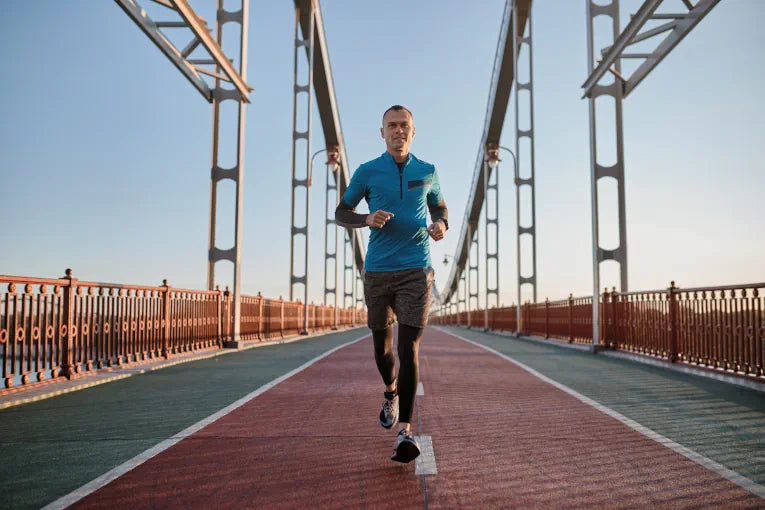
[
  {"x": 420, "y": 389},
  {"x": 139, "y": 459},
  {"x": 425, "y": 464},
  {"x": 711, "y": 465}
]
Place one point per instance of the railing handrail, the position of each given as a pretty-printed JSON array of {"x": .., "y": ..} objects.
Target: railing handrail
[
  {"x": 4, "y": 278},
  {"x": 51, "y": 328},
  {"x": 723, "y": 332}
]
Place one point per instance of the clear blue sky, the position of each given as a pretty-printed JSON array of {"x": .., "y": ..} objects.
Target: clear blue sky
[{"x": 106, "y": 147}]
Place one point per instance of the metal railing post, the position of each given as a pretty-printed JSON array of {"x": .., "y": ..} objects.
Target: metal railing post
[
  {"x": 260, "y": 315},
  {"x": 547, "y": 317},
  {"x": 673, "y": 348},
  {"x": 68, "y": 331},
  {"x": 604, "y": 327},
  {"x": 570, "y": 318},
  {"x": 227, "y": 294},
  {"x": 614, "y": 318},
  {"x": 281, "y": 317},
  {"x": 166, "y": 319},
  {"x": 220, "y": 315}
]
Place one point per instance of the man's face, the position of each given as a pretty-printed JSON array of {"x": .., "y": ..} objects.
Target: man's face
[{"x": 398, "y": 131}]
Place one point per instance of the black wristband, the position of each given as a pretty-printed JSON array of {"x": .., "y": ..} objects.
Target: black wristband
[{"x": 446, "y": 222}]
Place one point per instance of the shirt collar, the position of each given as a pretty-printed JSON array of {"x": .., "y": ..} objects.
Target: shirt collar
[{"x": 386, "y": 155}]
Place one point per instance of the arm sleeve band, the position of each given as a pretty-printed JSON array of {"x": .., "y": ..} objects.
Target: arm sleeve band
[{"x": 346, "y": 217}]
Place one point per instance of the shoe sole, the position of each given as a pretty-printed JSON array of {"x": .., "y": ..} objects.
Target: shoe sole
[
  {"x": 406, "y": 452},
  {"x": 395, "y": 420}
]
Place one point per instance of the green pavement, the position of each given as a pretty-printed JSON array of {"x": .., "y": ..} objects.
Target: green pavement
[
  {"x": 52, "y": 447},
  {"x": 722, "y": 422}
]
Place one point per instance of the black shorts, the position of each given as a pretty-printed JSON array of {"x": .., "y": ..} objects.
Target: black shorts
[{"x": 402, "y": 295}]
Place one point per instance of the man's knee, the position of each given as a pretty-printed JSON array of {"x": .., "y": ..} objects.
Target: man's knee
[{"x": 383, "y": 340}]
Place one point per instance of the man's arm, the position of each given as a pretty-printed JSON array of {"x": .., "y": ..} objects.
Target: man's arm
[
  {"x": 345, "y": 216},
  {"x": 439, "y": 214}
]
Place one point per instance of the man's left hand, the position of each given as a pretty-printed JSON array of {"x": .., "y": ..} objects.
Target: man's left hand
[{"x": 437, "y": 230}]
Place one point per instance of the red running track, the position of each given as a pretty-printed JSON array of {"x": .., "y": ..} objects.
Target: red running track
[{"x": 502, "y": 438}]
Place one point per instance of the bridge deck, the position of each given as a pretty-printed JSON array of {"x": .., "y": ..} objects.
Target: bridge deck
[{"x": 553, "y": 427}]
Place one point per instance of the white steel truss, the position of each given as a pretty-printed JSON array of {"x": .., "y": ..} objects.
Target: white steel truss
[
  {"x": 677, "y": 26},
  {"x": 223, "y": 71},
  {"x": 297, "y": 135}
]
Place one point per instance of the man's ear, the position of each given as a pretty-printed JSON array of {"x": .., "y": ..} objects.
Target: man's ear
[{"x": 382, "y": 133}]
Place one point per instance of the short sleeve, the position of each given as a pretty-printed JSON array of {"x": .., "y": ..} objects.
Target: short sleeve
[
  {"x": 356, "y": 189},
  {"x": 434, "y": 195}
]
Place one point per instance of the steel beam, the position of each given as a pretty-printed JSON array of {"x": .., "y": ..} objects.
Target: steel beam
[
  {"x": 348, "y": 268},
  {"x": 473, "y": 274},
  {"x": 491, "y": 226},
  {"x": 330, "y": 230},
  {"x": 503, "y": 76},
  {"x": 678, "y": 28},
  {"x": 462, "y": 292},
  {"x": 530, "y": 230},
  {"x": 150, "y": 28},
  {"x": 236, "y": 174},
  {"x": 200, "y": 30},
  {"x": 202, "y": 35},
  {"x": 329, "y": 114},
  {"x": 302, "y": 15},
  {"x": 598, "y": 171}
]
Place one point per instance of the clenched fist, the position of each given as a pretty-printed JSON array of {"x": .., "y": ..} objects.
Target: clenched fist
[
  {"x": 378, "y": 218},
  {"x": 436, "y": 230}
]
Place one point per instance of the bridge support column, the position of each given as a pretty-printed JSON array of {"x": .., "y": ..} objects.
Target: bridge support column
[
  {"x": 330, "y": 230},
  {"x": 525, "y": 154},
  {"x": 298, "y": 135},
  {"x": 598, "y": 171},
  {"x": 491, "y": 225},
  {"x": 472, "y": 271},
  {"x": 235, "y": 174},
  {"x": 349, "y": 298},
  {"x": 462, "y": 296}
]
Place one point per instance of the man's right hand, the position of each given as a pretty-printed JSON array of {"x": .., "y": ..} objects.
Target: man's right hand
[{"x": 378, "y": 218}]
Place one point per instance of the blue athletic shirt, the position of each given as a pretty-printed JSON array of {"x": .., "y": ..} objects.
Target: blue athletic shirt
[{"x": 403, "y": 242}]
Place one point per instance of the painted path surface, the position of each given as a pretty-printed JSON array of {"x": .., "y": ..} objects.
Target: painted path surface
[{"x": 501, "y": 437}]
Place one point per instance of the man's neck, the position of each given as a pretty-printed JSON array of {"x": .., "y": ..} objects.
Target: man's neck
[{"x": 399, "y": 157}]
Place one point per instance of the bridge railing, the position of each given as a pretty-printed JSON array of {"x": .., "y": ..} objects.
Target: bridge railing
[
  {"x": 55, "y": 328},
  {"x": 720, "y": 327}
]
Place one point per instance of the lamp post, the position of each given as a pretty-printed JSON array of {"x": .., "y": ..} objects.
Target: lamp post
[
  {"x": 333, "y": 163},
  {"x": 309, "y": 181},
  {"x": 493, "y": 159}
]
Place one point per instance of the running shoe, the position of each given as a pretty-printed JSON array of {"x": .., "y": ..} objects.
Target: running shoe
[
  {"x": 405, "y": 449},
  {"x": 389, "y": 411}
]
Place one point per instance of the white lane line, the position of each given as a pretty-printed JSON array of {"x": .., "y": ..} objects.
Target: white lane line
[
  {"x": 420, "y": 389},
  {"x": 425, "y": 464},
  {"x": 139, "y": 459},
  {"x": 721, "y": 470}
]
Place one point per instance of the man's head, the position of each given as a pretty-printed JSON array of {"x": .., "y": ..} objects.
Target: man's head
[{"x": 397, "y": 129}]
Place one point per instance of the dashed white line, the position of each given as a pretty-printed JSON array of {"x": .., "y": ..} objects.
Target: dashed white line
[
  {"x": 420, "y": 389},
  {"x": 425, "y": 464}
]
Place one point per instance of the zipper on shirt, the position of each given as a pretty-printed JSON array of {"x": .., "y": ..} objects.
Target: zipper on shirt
[{"x": 400, "y": 183}]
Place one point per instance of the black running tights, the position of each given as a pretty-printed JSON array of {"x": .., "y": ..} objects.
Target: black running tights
[{"x": 408, "y": 372}]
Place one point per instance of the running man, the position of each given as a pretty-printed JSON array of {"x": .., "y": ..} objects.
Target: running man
[{"x": 400, "y": 189}]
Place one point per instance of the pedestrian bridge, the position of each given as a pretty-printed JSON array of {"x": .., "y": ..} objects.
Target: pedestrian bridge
[
  {"x": 504, "y": 421},
  {"x": 134, "y": 396}
]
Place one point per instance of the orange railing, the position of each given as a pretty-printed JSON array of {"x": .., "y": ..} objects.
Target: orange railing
[
  {"x": 55, "y": 328},
  {"x": 719, "y": 327}
]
